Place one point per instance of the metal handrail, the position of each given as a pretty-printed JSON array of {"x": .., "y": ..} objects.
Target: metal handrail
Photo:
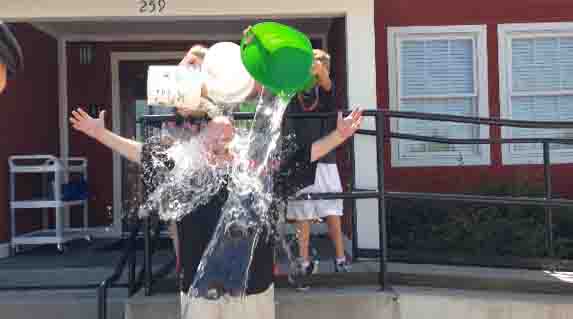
[
  {"x": 382, "y": 135},
  {"x": 130, "y": 251},
  {"x": 147, "y": 277}
]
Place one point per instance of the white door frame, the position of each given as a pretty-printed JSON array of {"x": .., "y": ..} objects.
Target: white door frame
[{"x": 116, "y": 59}]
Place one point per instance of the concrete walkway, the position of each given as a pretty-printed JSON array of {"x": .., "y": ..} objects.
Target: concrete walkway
[
  {"x": 367, "y": 302},
  {"x": 418, "y": 291}
]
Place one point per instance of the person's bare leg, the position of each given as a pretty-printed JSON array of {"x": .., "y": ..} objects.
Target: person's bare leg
[
  {"x": 174, "y": 237},
  {"x": 335, "y": 233},
  {"x": 303, "y": 235}
]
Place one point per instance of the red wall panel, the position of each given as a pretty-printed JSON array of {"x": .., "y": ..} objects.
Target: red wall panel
[
  {"x": 394, "y": 13},
  {"x": 29, "y": 118}
]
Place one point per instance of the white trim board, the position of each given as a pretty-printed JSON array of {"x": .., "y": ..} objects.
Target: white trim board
[
  {"x": 78, "y": 37},
  {"x": 538, "y": 27},
  {"x": 47, "y": 30}
]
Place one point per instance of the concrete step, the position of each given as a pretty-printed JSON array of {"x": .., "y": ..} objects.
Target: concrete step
[
  {"x": 480, "y": 290},
  {"x": 401, "y": 302},
  {"x": 69, "y": 304},
  {"x": 347, "y": 303}
]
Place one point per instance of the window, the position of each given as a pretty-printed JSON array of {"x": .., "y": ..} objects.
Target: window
[
  {"x": 438, "y": 70},
  {"x": 536, "y": 83}
]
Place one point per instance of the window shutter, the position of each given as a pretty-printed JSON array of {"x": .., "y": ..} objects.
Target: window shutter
[
  {"x": 541, "y": 72},
  {"x": 437, "y": 76}
]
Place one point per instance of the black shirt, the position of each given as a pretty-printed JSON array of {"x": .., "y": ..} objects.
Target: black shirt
[
  {"x": 196, "y": 229},
  {"x": 312, "y": 129}
]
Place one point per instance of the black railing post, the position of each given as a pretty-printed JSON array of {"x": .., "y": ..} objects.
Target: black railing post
[
  {"x": 102, "y": 300},
  {"x": 381, "y": 199},
  {"x": 132, "y": 259},
  {"x": 132, "y": 271},
  {"x": 548, "y": 195},
  {"x": 147, "y": 256},
  {"x": 353, "y": 201}
]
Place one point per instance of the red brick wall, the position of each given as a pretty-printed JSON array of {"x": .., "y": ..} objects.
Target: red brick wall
[
  {"x": 29, "y": 116},
  {"x": 451, "y": 12}
]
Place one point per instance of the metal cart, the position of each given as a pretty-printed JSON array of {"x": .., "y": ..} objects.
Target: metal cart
[{"x": 53, "y": 172}]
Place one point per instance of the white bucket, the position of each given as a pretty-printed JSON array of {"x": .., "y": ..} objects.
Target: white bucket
[
  {"x": 226, "y": 78},
  {"x": 174, "y": 86}
]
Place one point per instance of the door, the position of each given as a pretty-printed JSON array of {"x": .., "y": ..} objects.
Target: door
[
  {"x": 133, "y": 105},
  {"x": 129, "y": 86}
]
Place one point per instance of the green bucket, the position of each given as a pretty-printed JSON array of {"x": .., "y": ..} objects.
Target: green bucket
[{"x": 278, "y": 56}]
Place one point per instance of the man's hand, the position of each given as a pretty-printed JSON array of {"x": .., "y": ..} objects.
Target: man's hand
[
  {"x": 95, "y": 128},
  {"x": 190, "y": 59},
  {"x": 86, "y": 124},
  {"x": 346, "y": 127}
]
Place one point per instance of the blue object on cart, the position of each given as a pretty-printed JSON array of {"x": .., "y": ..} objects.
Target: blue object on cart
[
  {"x": 72, "y": 191},
  {"x": 77, "y": 190}
]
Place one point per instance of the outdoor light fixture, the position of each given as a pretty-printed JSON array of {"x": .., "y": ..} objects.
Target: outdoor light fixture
[{"x": 87, "y": 54}]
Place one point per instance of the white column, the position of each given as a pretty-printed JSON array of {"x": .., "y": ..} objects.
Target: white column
[{"x": 361, "y": 57}]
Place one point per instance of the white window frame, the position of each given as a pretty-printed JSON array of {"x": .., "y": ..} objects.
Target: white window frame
[
  {"x": 478, "y": 33},
  {"x": 507, "y": 32}
]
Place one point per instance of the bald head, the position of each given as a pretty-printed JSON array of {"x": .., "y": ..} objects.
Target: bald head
[
  {"x": 223, "y": 122},
  {"x": 218, "y": 133}
]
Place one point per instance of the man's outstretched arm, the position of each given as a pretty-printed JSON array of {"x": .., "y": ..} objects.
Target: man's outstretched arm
[
  {"x": 95, "y": 128},
  {"x": 345, "y": 128}
]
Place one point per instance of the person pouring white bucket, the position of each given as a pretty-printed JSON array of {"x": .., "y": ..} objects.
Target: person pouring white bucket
[
  {"x": 11, "y": 60},
  {"x": 215, "y": 88}
]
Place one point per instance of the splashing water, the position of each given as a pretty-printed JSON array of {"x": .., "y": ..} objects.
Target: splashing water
[
  {"x": 246, "y": 215},
  {"x": 188, "y": 180},
  {"x": 188, "y": 184}
]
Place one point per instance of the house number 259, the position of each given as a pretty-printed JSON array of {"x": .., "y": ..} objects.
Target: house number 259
[{"x": 152, "y": 6}]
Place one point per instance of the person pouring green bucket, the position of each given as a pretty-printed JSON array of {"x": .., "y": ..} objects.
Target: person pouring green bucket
[
  {"x": 276, "y": 56},
  {"x": 279, "y": 57}
]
